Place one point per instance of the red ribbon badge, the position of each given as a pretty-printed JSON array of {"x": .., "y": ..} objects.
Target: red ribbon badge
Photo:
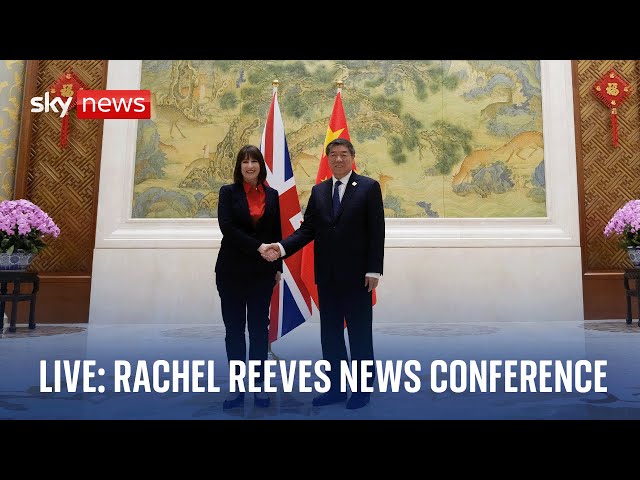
[
  {"x": 66, "y": 86},
  {"x": 612, "y": 90}
]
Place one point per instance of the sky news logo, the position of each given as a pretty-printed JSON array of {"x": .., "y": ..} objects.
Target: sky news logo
[{"x": 100, "y": 104}]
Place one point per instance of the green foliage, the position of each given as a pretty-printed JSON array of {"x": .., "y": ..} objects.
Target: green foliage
[
  {"x": 436, "y": 71},
  {"x": 157, "y": 202},
  {"x": 380, "y": 102},
  {"x": 151, "y": 161},
  {"x": 297, "y": 107},
  {"x": 374, "y": 82},
  {"x": 451, "y": 142},
  {"x": 446, "y": 158},
  {"x": 411, "y": 132},
  {"x": 225, "y": 65},
  {"x": 630, "y": 237},
  {"x": 395, "y": 150},
  {"x": 421, "y": 88},
  {"x": 399, "y": 158},
  {"x": 31, "y": 242},
  {"x": 393, "y": 203},
  {"x": 395, "y": 144},
  {"x": 324, "y": 75},
  {"x": 450, "y": 82},
  {"x": 229, "y": 101}
]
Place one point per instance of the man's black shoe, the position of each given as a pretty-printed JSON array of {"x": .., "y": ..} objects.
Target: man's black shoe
[
  {"x": 233, "y": 402},
  {"x": 358, "y": 400},
  {"x": 328, "y": 398}
]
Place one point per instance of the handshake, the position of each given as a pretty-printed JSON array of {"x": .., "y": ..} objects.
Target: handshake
[{"x": 269, "y": 251}]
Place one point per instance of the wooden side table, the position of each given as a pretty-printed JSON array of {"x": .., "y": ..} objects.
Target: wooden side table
[
  {"x": 632, "y": 274},
  {"x": 17, "y": 278}
]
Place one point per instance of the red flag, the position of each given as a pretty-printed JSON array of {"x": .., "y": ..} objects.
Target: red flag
[{"x": 337, "y": 129}]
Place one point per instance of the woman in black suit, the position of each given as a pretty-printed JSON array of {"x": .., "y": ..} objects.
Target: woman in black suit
[{"x": 249, "y": 218}]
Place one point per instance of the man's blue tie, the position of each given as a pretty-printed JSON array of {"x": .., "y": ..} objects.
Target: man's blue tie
[{"x": 336, "y": 197}]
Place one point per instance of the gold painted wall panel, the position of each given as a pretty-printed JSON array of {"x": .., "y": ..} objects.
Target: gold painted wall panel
[
  {"x": 447, "y": 139},
  {"x": 11, "y": 88}
]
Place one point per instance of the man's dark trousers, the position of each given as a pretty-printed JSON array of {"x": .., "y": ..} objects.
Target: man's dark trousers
[{"x": 353, "y": 304}]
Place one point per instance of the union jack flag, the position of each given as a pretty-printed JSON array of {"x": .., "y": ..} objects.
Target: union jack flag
[{"x": 291, "y": 302}]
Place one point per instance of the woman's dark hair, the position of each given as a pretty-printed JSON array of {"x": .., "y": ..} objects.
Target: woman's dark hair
[{"x": 249, "y": 151}]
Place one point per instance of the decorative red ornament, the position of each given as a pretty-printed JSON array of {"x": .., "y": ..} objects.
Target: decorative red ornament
[
  {"x": 66, "y": 86},
  {"x": 612, "y": 90}
]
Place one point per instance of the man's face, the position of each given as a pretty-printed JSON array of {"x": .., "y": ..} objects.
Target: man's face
[{"x": 340, "y": 160}]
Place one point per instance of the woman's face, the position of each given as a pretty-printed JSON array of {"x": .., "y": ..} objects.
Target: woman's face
[{"x": 250, "y": 168}]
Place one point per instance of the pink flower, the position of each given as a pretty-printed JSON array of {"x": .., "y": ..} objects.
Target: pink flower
[
  {"x": 625, "y": 223},
  {"x": 23, "y": 225}
]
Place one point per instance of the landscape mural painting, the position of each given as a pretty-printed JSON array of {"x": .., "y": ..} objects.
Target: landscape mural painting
[{"x": 445, "y": 139}]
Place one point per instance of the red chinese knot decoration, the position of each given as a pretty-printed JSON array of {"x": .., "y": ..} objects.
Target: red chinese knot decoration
[
  {"x": 67, "y": 85},
  {"x": 612, "y": 90}
]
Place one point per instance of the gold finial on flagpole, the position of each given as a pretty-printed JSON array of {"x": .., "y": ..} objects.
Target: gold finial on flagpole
[{"x": 275, "y": 84}]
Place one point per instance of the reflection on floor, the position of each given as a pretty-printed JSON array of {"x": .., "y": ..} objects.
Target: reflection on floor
[{"x": 25, "y": 384}]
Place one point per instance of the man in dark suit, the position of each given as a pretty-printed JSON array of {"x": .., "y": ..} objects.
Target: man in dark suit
[{"x": 345, "y": 219}]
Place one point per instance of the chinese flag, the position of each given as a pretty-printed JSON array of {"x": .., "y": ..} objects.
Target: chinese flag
[{"x": 337, "y": 129}]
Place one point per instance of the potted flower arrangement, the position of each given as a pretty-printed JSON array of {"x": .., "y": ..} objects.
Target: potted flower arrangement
[
  {"x": 626, "y": 224},
  {"x": 22, "y": 228}
]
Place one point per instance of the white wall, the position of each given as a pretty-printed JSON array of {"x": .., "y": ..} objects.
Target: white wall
[{"x": 436, "y": 270}]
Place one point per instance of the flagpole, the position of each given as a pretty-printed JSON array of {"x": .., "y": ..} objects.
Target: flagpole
[{"x": 270, "y": 354}]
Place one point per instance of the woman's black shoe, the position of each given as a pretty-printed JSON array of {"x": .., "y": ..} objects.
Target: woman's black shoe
[
  {"x": 233, "y": 402},
  {"x": 261, "y": 399}
]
